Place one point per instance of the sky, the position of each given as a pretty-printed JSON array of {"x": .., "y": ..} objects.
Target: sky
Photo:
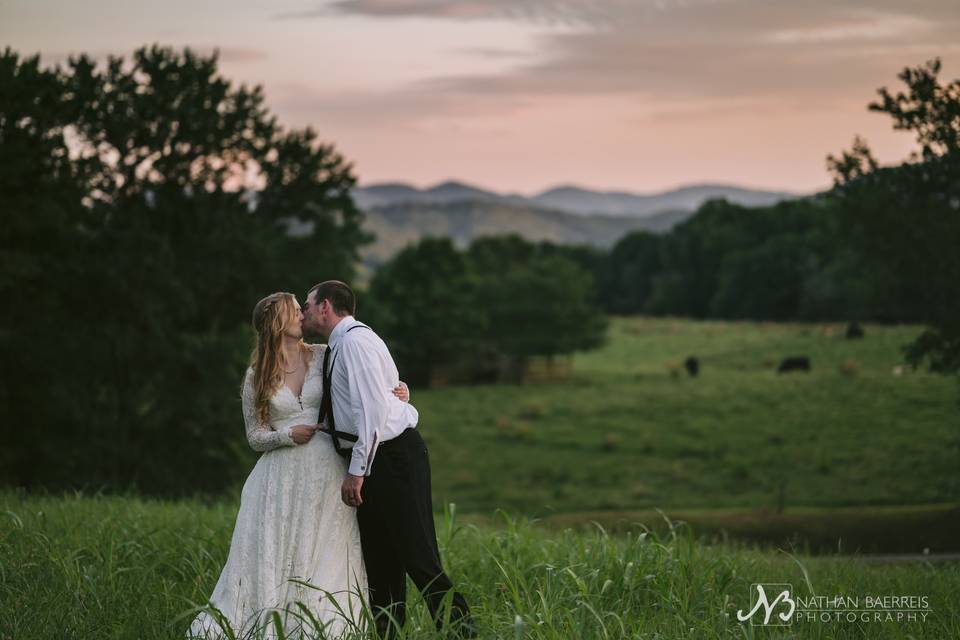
[{"x": 523, "y": 95}]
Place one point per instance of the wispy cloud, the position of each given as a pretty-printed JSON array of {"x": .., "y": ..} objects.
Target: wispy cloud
[
  {"x": 705, "y": 49},
  {"x": 882, "y": 27},
  {"x": 493, "y": 52},
  {"x": 571, "y": 12}
]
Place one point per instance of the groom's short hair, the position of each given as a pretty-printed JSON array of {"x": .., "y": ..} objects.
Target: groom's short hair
[{"x": 341, "y": 296}]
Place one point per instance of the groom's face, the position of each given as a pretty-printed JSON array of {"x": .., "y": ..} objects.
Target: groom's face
[{"x": 316, "y": 316}]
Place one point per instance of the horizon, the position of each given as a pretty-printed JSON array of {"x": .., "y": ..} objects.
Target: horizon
[
  {"x": 567, "y": 185},
  {"x": 525, "y": 95}
]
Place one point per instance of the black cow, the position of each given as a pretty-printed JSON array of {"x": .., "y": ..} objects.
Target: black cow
[
  {"x": 692, "y": 365},
  {"x": 854, "y": 331},
  {"x": 794, "y": 363}
]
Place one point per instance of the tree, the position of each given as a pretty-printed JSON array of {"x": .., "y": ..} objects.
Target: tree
[
  {"x": 169, "y": 202},
  {"x": 480, "y": 315},
  {"x": 906, "y": 219},
  {"x": 536, "y": 304},
  {"x": 424, "y": 302},
  {"x": 627, "y": 279},
  {"x": 930, "y": 110},
  {"x": 692, "y": 256},
  {"x": 39, "y": 205}
]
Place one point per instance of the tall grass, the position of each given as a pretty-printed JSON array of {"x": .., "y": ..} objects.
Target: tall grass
[
  {"x": 115, "y": 567},
  {"x": 624, "y": 434}
]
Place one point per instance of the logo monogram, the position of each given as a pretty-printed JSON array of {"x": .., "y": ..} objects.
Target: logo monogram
[{"x": 768, "y": 607}]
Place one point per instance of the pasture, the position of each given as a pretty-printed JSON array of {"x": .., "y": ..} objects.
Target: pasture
[
  {"x": 630, "y": 430},
  {"x": 557, "y": 483}
]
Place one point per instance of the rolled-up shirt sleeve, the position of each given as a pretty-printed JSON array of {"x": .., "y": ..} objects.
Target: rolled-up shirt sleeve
[{"x": 369, "y": 404}]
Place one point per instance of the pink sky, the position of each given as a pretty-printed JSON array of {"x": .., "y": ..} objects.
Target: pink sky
[{"x": 522, "y": 95}]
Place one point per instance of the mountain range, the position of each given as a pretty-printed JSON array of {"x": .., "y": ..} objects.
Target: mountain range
[
  {"x": 570, "y": 199},
  {"x": 400, "y": 214}
]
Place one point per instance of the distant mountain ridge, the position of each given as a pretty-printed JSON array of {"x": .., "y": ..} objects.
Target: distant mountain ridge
[
  {"x": 400, "y": 214},
  {"x": 570, "y": 199},
  {"x": 399, "y": 225}
]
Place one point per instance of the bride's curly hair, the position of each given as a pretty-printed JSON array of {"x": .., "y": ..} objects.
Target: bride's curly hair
[{"x": 271, "y": 316}]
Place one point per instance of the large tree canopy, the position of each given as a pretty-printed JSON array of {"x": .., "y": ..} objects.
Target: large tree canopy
[
  {"x": 483, "y": 313},
  {"x": 147, "y": 204},
  {"x": 906, "y": 218}
]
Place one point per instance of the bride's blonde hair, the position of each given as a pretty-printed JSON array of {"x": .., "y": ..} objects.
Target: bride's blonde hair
[{"x": 271, "y": 317}]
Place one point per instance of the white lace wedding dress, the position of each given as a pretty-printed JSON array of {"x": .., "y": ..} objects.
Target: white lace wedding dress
[{"x": 292, "y": 527}]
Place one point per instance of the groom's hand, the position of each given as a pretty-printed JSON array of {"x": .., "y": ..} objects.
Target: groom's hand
[{"x": 350, "y": 490}]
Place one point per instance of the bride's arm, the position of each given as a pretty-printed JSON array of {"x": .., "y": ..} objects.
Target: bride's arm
[{"x": 261, "y": 437}]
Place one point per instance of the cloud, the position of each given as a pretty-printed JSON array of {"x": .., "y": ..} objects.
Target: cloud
[
  {"x": 882, "y": 27},
  {"x": 493, "y": 52},
  {"x": 726, "y": 49},
  {"x": 572, "y": 12},
  {"x": 723, "y": 54}
]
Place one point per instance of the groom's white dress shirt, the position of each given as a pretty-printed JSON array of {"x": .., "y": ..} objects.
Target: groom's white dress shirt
[{"x": 362, "y": 382}]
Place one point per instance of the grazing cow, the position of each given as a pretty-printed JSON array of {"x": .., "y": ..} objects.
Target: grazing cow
[
  {"x": 794, "y": 363},
  {"x": 854, "y": 331},
  {"x": 692, "y": 365}
]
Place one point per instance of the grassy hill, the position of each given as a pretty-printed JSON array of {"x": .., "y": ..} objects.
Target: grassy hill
[{"x": 630, "y": 430}]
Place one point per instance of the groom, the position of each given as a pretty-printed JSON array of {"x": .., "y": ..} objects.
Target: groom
[{"x": 388, "y": 477}]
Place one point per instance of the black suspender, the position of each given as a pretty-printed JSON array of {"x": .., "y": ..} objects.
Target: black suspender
[{"x": 326, "y": 405}]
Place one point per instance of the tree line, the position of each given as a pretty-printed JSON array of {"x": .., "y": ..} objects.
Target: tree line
[{"x": 883, "y": 244}]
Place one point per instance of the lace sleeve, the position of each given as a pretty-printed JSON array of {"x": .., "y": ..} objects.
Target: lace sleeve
[{"x": 261, "y": 437}]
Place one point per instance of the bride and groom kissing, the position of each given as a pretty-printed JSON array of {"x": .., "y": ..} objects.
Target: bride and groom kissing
[{"x": 337, "y": 511}]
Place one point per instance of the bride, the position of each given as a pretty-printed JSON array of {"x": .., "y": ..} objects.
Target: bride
[{"x": 295, "y": 543}]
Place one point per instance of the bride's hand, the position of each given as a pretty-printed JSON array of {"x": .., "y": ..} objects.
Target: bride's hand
[
  {"x": 302, "y": 433},
  {"x": 402, "y": 391}
]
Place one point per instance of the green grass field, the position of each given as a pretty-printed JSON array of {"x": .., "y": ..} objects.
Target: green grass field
[
  {"x": 124, "y": 568},
  {"x": 858, "y": 457},
  {"x": 632, "y": 431}
]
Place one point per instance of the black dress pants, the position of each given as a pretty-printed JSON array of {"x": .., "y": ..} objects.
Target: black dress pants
[{"x": 399, "y": 537}]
